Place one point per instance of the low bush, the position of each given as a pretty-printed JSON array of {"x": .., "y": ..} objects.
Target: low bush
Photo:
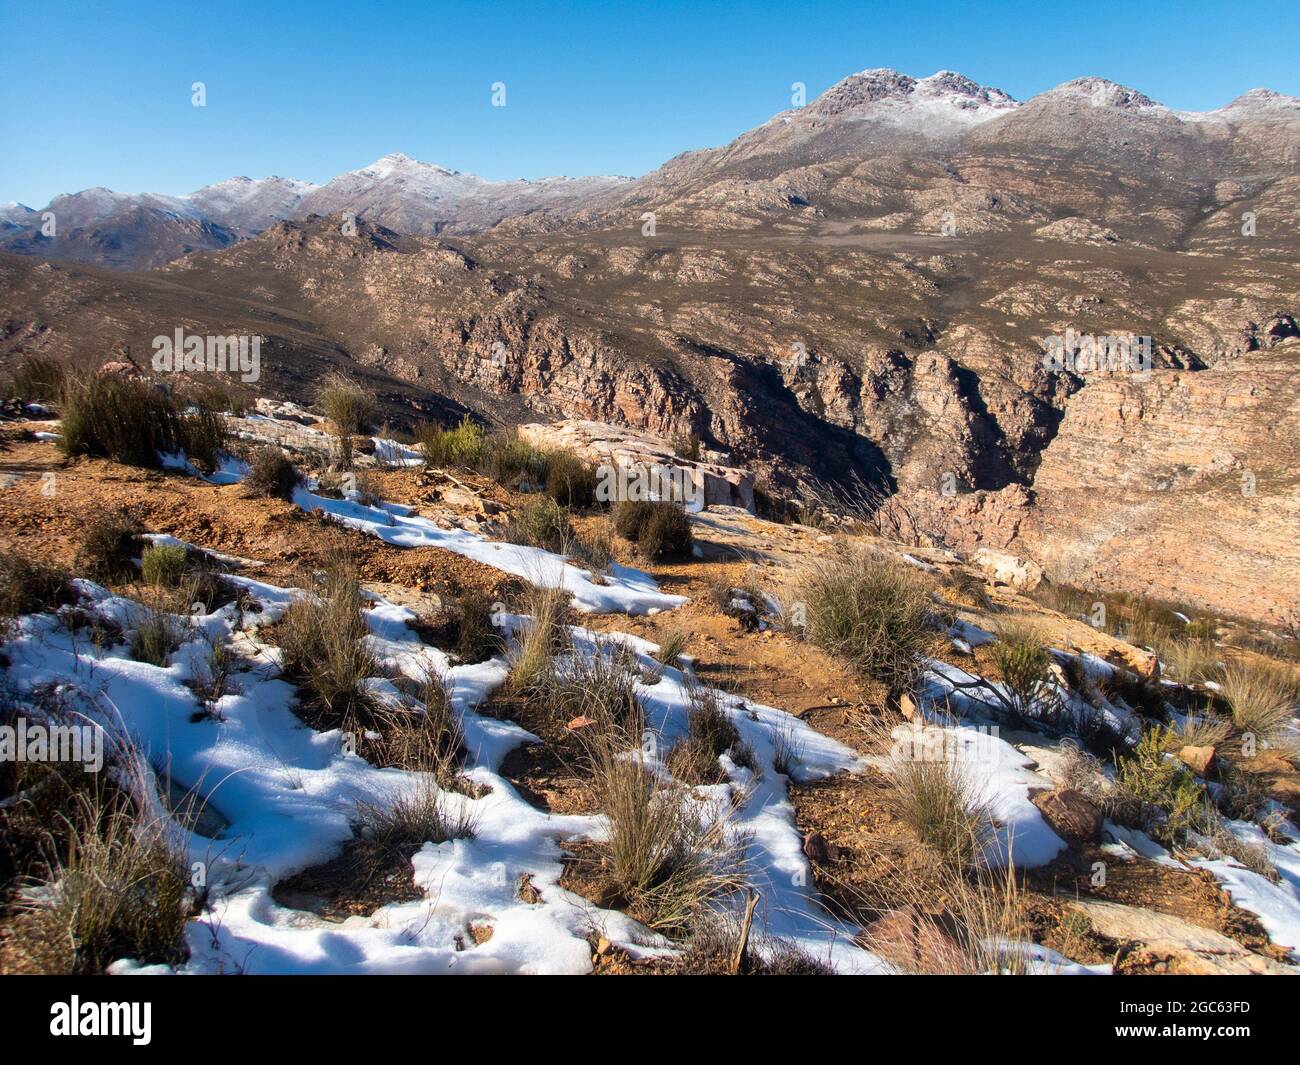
[
  {"x": 106, "y": 882},
  {"x": 871, "y": 611},
  {"x": 28, "y": 587},
  {"x": 1155, "y": 791},
  {"x": 570, "y": 481},
  {"x": 1262, "y": 698},
  {"x": 36, "y": 379},
  {"x": 710, "y": 733},
  {"x": 349, "y": 406},
  {"x": 663, "y": 854},
  {"x": 109, "y": 546},
  {"x": 540, "y": 523},
  {"x": 944, "y": 806},
  {"x": 661, "y": 530},
  {"x": 163, "y": 565},
  {"x": 132, "y": 422},
  {"x": 322, "y": 645},
  {"x": 271, "y": 474}
]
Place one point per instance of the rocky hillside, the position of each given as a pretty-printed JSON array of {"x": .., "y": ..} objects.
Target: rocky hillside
[{"x": 857, "y": 292}]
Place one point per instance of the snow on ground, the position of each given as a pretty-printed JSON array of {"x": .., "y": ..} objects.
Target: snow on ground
[
  {"x": 1276, "y": 905},
  {"x": 287, "y": 793},
  {"x": 624, "y": 591}
]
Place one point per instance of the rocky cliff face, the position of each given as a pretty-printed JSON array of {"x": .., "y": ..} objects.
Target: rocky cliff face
[{"x": 859, "y": 292}]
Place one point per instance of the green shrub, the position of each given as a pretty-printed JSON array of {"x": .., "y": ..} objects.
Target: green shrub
[
  {"x": 465, "y": 445},
  {"x": 1155, "y": 791},
  {"x": 540, "y": 523},
  {"x": 509, "y": 458},
  {"x": 350, "y": 407},
  {"x": 163, "y": 565},
  {"x": 1027, "y": 675}
]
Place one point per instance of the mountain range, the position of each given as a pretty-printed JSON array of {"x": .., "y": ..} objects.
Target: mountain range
[
  {"x": 780, "y": 165},
  {"x": 856, "y": 291}
]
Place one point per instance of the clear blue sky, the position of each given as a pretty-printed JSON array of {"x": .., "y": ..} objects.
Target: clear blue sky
[{"x": 99, "y": 94}]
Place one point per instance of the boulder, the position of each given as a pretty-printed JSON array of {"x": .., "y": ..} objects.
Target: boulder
[
  {"x": 1198, "y": 759},
  {"x": 915, "y": 939},
  {"x": 1019, "y": 573},
  {"x": 1072, "y": 815}
]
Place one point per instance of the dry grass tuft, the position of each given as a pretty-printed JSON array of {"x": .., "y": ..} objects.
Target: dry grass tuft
[
  {"x": 665, "y": 856},
  {"x": 872, "y": 611}
]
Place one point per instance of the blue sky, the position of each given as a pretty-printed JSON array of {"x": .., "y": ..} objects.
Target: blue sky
[{"x": 99, "y": 94}]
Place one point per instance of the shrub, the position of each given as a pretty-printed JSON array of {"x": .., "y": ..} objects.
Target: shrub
[
  {"x": 570, "y": 481},
  {"x": 540, "y": 523},
  {"x": 271, "y": 474},
  {"x": 428, "y": 739},
  {"x": 322, "y": 644},
  {"x": 600, "y": 685},
  {"x": 510, "y": 457},
  {"x": 464, "y": 445},
  {"x": 132, "y": 422},
  {"x": 871, "y": 611},
  {"x": 662, "y": 855},
  {"x": 667, "y": 535},
  {"x": 631, "y": 516},
  {"x": 37, "y": 378},
  {"x": 28, "y": 587},
  {"x": 671, "y": 648},
  {"x": 161, "y": 623},
  {"x": 532, "y": 655},
  {"x": 1154, "y": 791},
  {"x": 350, "y": 407},
  {"x": 710, "y": 734},
  {"x": 1027, "y": 675},
  {"x": 110, "y": 884},
  {"x": 943, "y": 805},
  {"x": 1190, "y": 660},
  {"x": 108, "y": 546},
  {"x": 1262, "y": 698},
  {"x": 399, "y": 828},
  {"x": 477, "y": 638},
  {"x": 163, "y": 564},
  {"x": 594, "y": 551},
  {"x": 715, "y": 944}
]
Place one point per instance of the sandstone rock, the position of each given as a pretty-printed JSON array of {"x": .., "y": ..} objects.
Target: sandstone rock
[
  {"x": 1072, "y": 815},
  {"x": 908, "y": 708},
  {"x": 912, "y": 938},
  {"x": 601, "y": 443},
  {"x": 1020, "y": 573},
  {"x": 1199, "y": 759},
  {"x": 580, "y": 722},
  {"x": 1195, "y": 950}
]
